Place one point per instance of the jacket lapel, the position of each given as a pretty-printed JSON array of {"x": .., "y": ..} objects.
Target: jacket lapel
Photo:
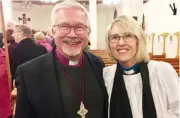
[
  {"x": 97, "y": 66},
  {"x": 51, "y": 84},
  {"x": 52, "y": 87}
]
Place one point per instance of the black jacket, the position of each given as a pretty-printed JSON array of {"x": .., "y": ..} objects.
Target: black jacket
[
  {"x": 38, "y": 92},
  {"x": 1, "y": 38},
  {"x": 25, "y": 50}
]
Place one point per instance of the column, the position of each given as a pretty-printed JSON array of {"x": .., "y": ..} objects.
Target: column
[
  {"x": 93, "y": 23},
  {"x": 126, "y": 7},
  {"x": 7, "y": 8}
]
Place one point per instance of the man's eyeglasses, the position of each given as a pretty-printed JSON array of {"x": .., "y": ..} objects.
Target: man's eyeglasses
[
  {"x": 79, "y": 29},
  {"x": 127, "y": 37}
]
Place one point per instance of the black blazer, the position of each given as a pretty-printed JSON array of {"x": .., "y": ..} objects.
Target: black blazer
[
  {"x": 24, "y": 51},
  {"x": 38, "y": 92},
  {"x": 1, "y": 38}
]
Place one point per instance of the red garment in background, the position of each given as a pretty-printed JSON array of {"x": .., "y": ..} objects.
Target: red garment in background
[{"x": 5, "y": 109}]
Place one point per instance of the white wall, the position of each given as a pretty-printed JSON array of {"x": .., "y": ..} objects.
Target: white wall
[
  {"x": 106, "y": 12},
  {"x": 40, "y": 19},
  {"x": 131, "y": 8},
  {"x": 6, "y": 10},
  {"x": 159, "y": 16},
  {"x": 104, "y": 18},
  {"x": 170, "y": 45},
  {"x": 40, "y": 15}
]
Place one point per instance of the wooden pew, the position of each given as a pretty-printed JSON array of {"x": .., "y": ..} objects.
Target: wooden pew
[
  {"x": 108, "y": 62},
  {"x": 173, "y": 61},
  {"x": 13, "y": 99},
  {"x": 163, "y": 56},
  {"x": 102, "y": 53}
]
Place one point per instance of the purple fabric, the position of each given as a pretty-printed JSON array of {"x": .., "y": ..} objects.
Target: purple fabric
[
  {"x": 45, "y": 44},
  {"x": 11, "y": 47},
  {"x": 48, "y": 40},
  {"x": 65, "y": 60}
]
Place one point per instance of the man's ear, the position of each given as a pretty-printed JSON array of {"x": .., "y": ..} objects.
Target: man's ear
[
  {"x": 53, "y": 30},
  {"x": 89, "y": 31},
  {"x": 22, "y": 34}
]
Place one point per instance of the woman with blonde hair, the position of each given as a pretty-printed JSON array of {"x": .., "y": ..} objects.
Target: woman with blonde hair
[
  {"x": 137, "y": 86},
  {"x": 41, "y": 40}
]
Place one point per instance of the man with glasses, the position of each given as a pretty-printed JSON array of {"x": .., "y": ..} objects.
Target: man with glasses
[{"x": 67, "y": 82}]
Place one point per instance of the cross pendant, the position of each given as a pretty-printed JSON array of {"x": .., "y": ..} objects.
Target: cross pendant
[{"x": 82, "y": 111}]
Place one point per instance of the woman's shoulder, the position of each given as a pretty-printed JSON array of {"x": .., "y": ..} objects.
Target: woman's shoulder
[
  {"x": 109, "y": 72},
  {"x": 110, "y": 69},
  {"x": 161, "y": 68},
  {"x": 154, "y": 65}
]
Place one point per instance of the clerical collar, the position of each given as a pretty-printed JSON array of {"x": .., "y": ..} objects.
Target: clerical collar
[
  {"x": 66, "y": 61},
  {"x": 132, "y": 70}
]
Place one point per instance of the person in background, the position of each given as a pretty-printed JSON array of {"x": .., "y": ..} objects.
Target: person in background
[
  {"x": 49, "y": 33},
  {"x": 10, "y": 41},
  {"x": 5, "y": 106},
  {"x": 49, "y": 36},
  {"x": 138, "y": 87},
  {"x": 41, "y": 40},
  {"x": 1, "y": 40},
  {"x": 33, "y": 32},
  {"x": 11, "y": 24},
  {"x": 26, "y": 48},
  {"x": 67, "y": 82}
]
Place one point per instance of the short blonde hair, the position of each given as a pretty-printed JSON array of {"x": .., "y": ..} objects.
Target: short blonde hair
[
  {"x": 67, "y": 4},
  {"x": 130, "y": 25},
  {"x": 39, "y": 36}
]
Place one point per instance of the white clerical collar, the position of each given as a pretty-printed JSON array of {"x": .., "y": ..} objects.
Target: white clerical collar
[
  {"x": 73, "y": 63},
  {"x": 129, "y": 72},
  {"x": 62, "y": 59}
]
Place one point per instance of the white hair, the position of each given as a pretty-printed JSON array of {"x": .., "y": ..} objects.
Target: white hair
[
  {"x": 67, "y": 4},
  {"x": 13, "y": 22},
  {"x": 10, "y": 24}
]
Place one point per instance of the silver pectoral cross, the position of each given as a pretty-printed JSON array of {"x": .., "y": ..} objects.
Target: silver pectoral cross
[{"x": 82, "y": 111}]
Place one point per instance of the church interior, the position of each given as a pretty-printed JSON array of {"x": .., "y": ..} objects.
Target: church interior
[{"x": 160, "y": 20}]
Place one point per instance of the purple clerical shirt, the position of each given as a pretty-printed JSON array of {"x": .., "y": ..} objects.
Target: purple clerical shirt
[{"x": 66, "y": 61}]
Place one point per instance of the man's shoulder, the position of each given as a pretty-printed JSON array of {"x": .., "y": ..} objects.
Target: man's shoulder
[
  {"x": 95, "y": 59},
  {"x": 37, "y": 63},
  {"x": 92, "y": 56},
  {"x": 29, "y": 47}
]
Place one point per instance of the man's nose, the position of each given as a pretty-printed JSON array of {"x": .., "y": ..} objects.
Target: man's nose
[{"x": 72, "y": 33}]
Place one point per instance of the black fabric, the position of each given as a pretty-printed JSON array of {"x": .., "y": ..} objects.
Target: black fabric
[
  {"x": 53, "y": 43},
  {"x": 38, "y": 90},
  {"x": 119, "y": 104},
  {"x": 9, "y": 116},
  {"x": 93, "y": 93},
  {"x": 1, "y": 38},
  {"x": 24, "y": 51}
]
